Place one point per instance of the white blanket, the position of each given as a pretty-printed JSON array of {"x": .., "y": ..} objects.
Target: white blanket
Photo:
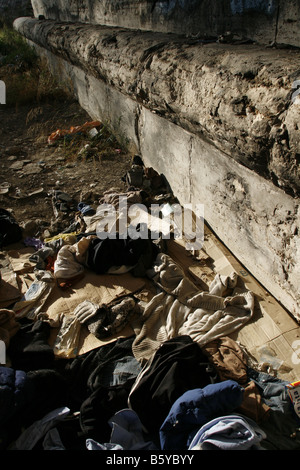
[{"x": 181, "y": 309}]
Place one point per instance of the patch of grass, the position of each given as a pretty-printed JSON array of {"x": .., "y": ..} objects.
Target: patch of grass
[
  {"x": 14, "y": 49},
  {"x": 27, "y": 76}
]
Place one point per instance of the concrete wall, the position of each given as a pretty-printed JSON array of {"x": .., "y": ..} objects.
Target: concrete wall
[
  {"x": 237, "y": 97},
  {"x": 264, "y": 21},
  {"x": 217, "y": 120}
]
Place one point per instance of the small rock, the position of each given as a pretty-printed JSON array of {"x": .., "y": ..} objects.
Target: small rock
[
  {"x": 4, "y": 187},
  {"x": 46, "y": 234},
  {"x": 30, "y": 227},
  {"x": 31, "y": 169},
  {"x": 17, "y": 166}
]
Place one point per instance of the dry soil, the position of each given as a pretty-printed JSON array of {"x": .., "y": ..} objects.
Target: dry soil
[{"x": 31, "y": 169}]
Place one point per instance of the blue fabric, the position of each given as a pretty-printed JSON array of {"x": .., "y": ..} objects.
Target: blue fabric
[
  {"x": 127, "y": 434},
  {"x": 120, "y": 371},
  {"x": 85, "y": 209},
  {"x": 231, "y": 432},
  {"x": 282, "y": 425},
  {"x": 195, "y": 408},
  {"x": 13, "y": 392}
]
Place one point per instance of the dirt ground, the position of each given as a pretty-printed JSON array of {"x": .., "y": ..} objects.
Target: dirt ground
[{"x": 31, "y": 168}]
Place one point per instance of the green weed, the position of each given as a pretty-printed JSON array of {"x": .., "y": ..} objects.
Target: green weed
[
  {"x": 27, "y": 76},
  {"x": 14, "y": 49}
]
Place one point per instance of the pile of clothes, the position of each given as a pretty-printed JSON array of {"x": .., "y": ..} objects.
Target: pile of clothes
[
  {"x": 184, "y": 398},
  {"x": 176, "y": 382}
]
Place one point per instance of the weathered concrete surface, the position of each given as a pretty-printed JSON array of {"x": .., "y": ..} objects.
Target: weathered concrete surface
[
  {"x": 12, "y": 9},
  {"x": 239, "y": 98},
  {"x": 259, "y": 20},
  {"x": 218, "y": 121}
]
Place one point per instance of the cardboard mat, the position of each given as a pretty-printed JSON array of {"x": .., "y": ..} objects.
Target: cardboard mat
[
  {"x": 273, "y": 335},
  {"x": 98, "y": 288},
  {"x": 18, "y": 276}
]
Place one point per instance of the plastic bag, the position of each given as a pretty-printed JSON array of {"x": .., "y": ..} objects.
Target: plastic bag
[{"x": 87, "y": 126}]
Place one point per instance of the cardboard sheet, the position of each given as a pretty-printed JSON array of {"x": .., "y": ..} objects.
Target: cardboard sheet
[
  {"x": 19, "y": 260},
  {"x": 271, "y": 329},
  {"x": 98, "y": 288},
  {"x": 9, "y": 289},
  {"x": 10, "y": 285}
]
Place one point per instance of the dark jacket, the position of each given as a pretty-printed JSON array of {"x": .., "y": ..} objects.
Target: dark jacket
[{"x": 195, "y": 408}]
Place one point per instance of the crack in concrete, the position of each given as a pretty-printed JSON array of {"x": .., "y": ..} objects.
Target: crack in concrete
[{"x": 137, "y": 126}]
